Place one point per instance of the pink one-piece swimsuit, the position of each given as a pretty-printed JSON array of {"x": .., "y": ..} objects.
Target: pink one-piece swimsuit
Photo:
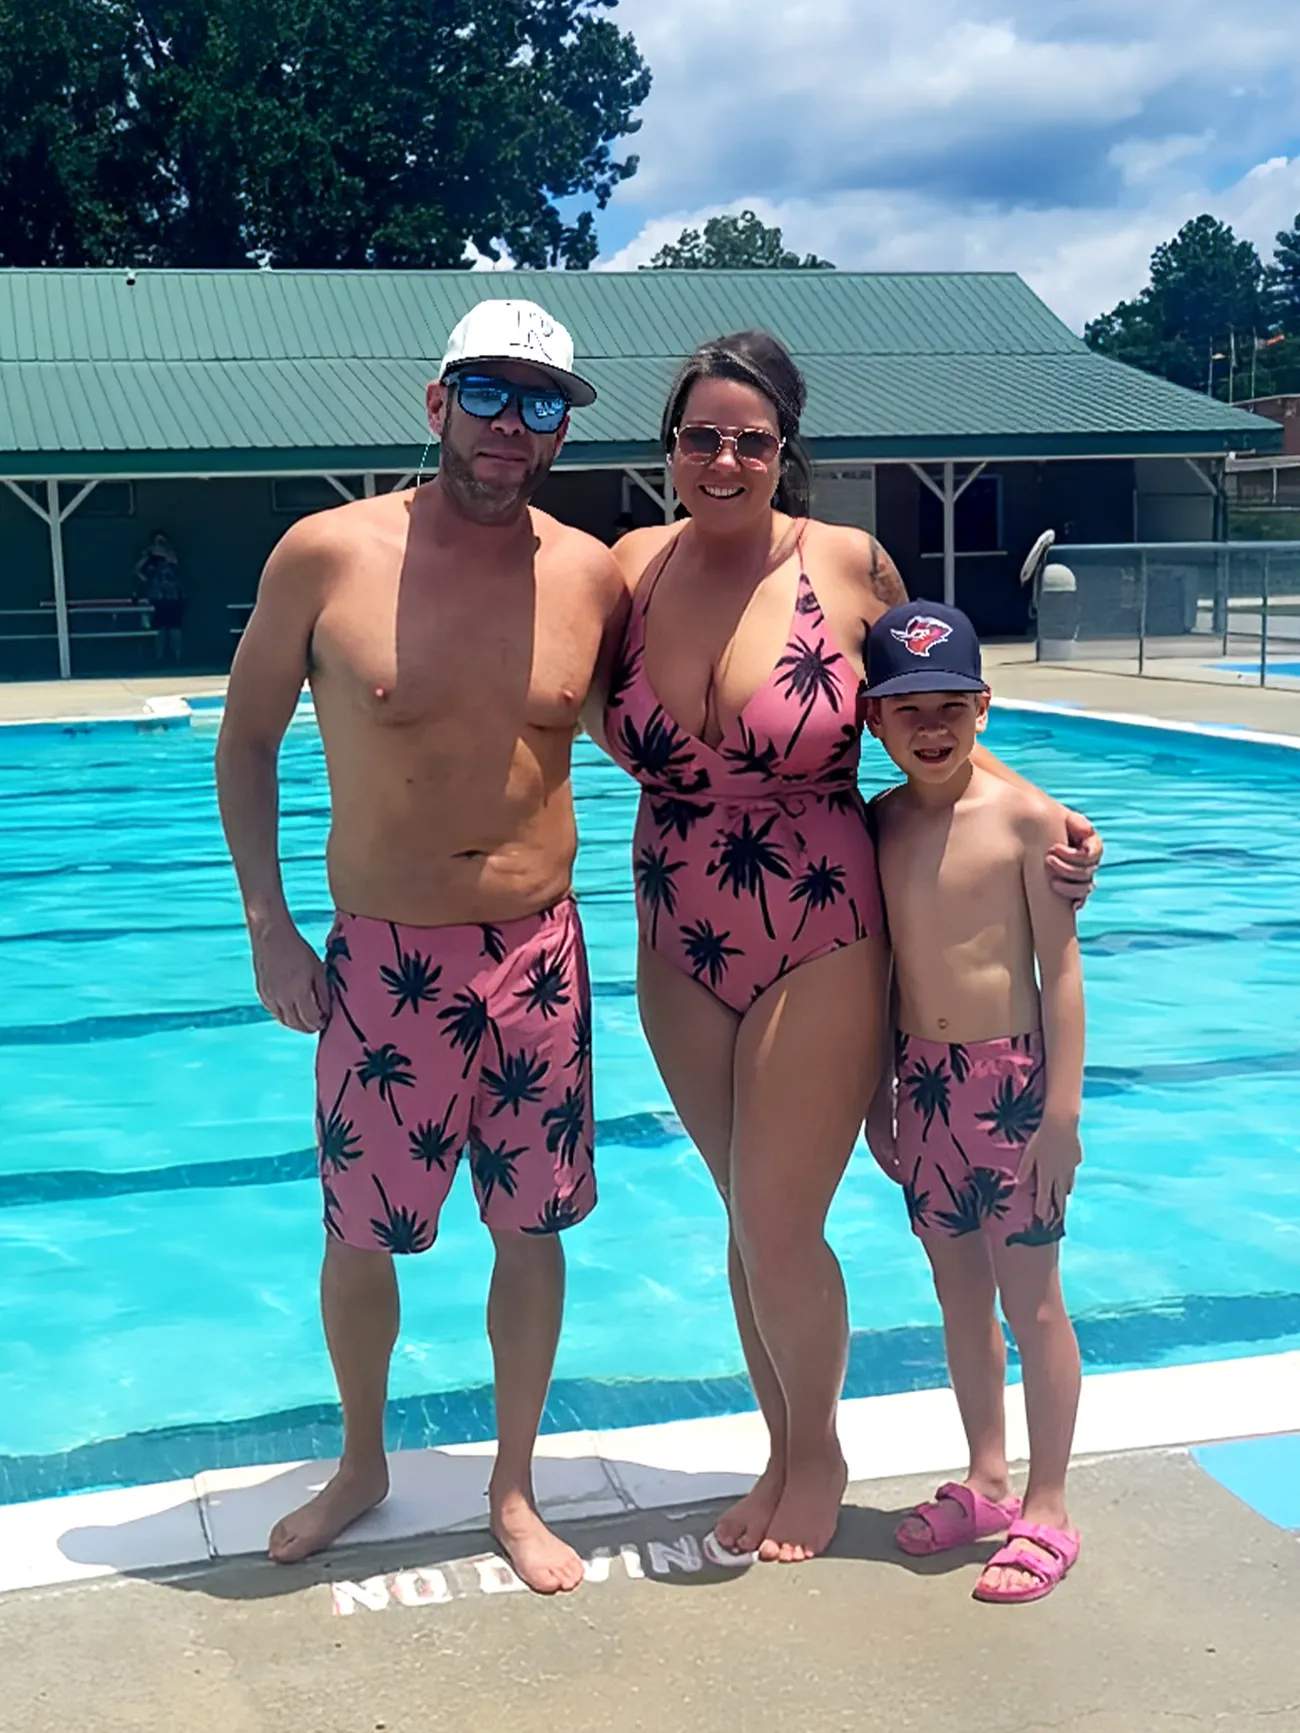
[{"x": 752, "y": 856}]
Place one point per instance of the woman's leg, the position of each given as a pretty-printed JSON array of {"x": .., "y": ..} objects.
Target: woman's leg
[
  {"x": 977, "y": 1359},
  {"x": 1030, "y": 1284},
  {"x": 807, "y": 1057},
  {"x": 693, "y": 1038}
]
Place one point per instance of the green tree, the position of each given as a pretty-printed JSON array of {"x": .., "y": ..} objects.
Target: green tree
[
  {"x": 1207, "y": 295},
  {"x": 310, "y": 132},
  {"x": 740, "y": 243},
  {"x": 1284, "y": 279},
  {"x": 62, "y": 83}
]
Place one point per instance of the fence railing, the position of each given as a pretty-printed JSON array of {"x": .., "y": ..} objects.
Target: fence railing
[{"x": 1217, "y": 611}]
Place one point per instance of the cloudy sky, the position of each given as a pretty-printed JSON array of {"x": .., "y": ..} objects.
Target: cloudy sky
[{"x": 1063, "y": 139}]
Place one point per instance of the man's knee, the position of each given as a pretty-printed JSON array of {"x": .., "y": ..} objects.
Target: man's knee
[
  {"x": 527, "y": 1254},
  {"x": 355, "y": 1270}
]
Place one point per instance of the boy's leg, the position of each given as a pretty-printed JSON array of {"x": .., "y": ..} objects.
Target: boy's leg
[
  {"x": 359, "y": 1305},
  {"x": 1030, "y": 1285},
  {"x": 525, "y": 1304},
  {"x": 977, "y": 1359}
]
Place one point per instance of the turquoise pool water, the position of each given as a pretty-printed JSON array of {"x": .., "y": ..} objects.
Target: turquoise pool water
[{"x": 159, "y": 1234}]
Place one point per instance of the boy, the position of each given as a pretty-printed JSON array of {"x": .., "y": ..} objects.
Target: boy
[{"x": 978, "y": 1116}]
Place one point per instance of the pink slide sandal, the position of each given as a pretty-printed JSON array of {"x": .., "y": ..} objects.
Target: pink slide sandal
[
  {"x": 957, "y": 1517},
  {"x": 1061, "y": 1550}
]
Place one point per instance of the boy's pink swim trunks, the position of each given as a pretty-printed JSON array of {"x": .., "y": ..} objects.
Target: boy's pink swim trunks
[
  {"x": 441, "y": 1038},
  {"x": 964, "y": 1116}
]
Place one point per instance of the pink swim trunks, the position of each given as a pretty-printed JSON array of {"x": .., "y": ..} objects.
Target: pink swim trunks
[
  {"x": 964, "y": 1116},
  {"x": 441, "y": 1038}
]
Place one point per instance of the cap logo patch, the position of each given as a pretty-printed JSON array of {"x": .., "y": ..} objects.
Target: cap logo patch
[{"x": 922, "y": 633}]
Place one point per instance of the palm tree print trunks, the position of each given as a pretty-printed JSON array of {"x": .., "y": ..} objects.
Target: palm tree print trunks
[
  {"x": 752, "y": 856},
  {"x": 447, "y": 1040},
  {"x": 964, "y": 1116}
]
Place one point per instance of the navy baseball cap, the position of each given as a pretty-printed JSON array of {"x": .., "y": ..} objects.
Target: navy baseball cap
[{"x": 923, "y": 647}]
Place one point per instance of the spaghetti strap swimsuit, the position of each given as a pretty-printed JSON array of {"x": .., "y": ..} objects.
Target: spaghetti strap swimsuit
[{"x": 752, "y": 856}]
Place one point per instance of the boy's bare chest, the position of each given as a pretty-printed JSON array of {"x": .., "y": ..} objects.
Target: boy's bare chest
[{"x": 956, "y": 873}]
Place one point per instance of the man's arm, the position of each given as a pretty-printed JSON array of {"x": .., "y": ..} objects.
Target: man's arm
[
  {"x": 1054, "y": 1149},
  {"x": 266, "y": 679}
]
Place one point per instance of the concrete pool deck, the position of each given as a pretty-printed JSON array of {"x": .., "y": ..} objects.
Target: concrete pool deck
[
  {"x": 1011, "y": 668},
  {"x": 1179, "y": 1617}
]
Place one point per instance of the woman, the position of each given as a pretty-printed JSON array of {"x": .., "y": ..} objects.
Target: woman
[{"x": 762, "y": 964}]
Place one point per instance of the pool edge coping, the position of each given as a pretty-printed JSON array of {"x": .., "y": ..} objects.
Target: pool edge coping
[
  {"x": 165, "y": 712},
  {"x": 178, "y": 1524}
]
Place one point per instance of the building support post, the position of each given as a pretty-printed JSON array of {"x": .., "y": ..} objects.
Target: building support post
[
  {"x": 55, "y": 516},
  {"x": 664, "y": 496},
  {"x": 948, "y": 495}
]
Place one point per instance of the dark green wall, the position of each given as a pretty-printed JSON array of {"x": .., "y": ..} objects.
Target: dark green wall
[
  {"x": 224, "y": 530},
  {"x": 1083, "y": 502}
]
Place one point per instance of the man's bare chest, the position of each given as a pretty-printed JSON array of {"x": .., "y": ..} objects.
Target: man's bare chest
[{"x": 497, "y": 653}]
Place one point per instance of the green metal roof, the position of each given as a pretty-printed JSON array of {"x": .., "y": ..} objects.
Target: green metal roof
[{"x": 220, "y": 372}]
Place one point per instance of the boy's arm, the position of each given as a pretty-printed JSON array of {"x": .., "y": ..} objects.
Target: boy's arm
[
  {"x": 1054, "y": 1148},
  {"x": 1074, "y": 857}
]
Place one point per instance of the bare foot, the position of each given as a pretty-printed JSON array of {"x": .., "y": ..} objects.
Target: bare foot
[
  {"x": 541, "y": 1559},
  {"x": 317, "y": 1525},
  {"x": 744, "y": 1526},
  {"x": 804, "y": 1522}
]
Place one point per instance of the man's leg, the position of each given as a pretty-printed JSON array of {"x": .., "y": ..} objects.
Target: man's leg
[
  {"x": 525, "y": 1303},
  {"x": 360, "y": 1307}
]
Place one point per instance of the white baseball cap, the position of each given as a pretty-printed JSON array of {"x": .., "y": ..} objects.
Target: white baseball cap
[{"x": 517, "y": 331}]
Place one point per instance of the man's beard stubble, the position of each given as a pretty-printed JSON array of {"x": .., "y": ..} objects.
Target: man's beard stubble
[{"x": 480, "y": 501}]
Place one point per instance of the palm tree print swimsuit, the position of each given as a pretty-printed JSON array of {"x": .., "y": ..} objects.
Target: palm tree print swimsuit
[
  {"x": 752, "y": 856},
  {"x": 445, "y": 1037},
  {"x": 963, "y": 1118}
]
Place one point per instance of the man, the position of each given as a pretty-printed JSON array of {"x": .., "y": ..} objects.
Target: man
[{"x": 451, "y": 635}]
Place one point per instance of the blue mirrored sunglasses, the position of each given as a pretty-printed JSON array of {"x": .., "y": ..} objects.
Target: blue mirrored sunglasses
[{"x": 541, "y": 407}]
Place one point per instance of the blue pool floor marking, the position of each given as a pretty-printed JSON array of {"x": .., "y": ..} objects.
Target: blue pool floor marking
[{"x": 1262, "y": 1472}]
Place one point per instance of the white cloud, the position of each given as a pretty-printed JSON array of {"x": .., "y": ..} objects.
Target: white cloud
[
  {"x": 1080, "y": 262},
  {"x": 1063, "y": 139},
  {"x": 847, "y": 88}
]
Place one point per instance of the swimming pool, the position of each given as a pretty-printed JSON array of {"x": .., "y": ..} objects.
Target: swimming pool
[{"x": 159, "y": 1226}]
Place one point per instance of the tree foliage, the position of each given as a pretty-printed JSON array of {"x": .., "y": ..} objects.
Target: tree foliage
[
  {"x": 347, "y": 133},
  {"x": 740, "y": 243},
  {"x": 1212, "y": 309},
  {"x": 1284, "y": 280}
]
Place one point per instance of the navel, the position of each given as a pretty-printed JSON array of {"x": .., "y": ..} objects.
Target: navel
[{"x": 943, "y": 1022}]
